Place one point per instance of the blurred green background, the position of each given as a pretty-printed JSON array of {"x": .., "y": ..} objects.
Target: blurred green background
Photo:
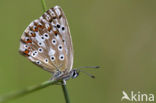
[{"x": 119, "y": 35}]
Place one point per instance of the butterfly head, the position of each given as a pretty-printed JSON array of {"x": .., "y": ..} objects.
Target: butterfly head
[{"x": 74, "y": 73}]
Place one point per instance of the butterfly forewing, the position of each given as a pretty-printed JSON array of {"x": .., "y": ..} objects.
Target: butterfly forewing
[{"x": 47, "y": 42}]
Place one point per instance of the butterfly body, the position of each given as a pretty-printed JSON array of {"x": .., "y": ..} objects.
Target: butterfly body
[{"x": 47, "y": 43}]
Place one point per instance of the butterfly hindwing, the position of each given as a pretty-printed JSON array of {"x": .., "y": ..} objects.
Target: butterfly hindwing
[{"x": 47, "y": 41}]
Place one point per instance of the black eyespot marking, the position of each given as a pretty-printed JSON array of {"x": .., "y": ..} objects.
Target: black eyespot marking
[
  {"x": 63, "y": 28},
  {"x": 25, "y": 46},
  {"x": 60, "y": 47},
  {"x": 61, "y": 57},
  {"x": 46, "y": 60},
  {"x": 34, "y": 53},
  {"x": 40, "y": 43},
  {"x": 54, "y": 41},
  {"x": 42, "y": 37},
  {"x": 40, "y": 50},
  {"x": 38, "y": 62},
  {"x": 28, "y": 39},
  {"x": 52, "y": 58},
  {"x": 63, "y": 40},
  {"x": 46, "y": 35},
  {"x": 58, "y": 26}
]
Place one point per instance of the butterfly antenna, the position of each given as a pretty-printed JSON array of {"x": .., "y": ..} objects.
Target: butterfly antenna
[
  {"x": 93, "y": 67},
  {"x": 90, "y": 75}
]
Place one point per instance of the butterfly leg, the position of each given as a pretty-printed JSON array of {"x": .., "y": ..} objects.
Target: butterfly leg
[
  {"x": 56, "y": 76},
  {"x": 53, "y": 78}
]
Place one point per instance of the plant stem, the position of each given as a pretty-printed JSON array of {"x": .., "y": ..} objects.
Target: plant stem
[
  {"x": 44, "y": 5},
  {"x": 27, "y": 90},
  {"x": 66, "y": 96}
]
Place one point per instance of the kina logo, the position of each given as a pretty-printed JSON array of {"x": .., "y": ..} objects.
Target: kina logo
[{"x": 138, "y": 96}]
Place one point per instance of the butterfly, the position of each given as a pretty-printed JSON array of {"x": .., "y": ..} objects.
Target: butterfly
[{"x": 47, "y": 42}]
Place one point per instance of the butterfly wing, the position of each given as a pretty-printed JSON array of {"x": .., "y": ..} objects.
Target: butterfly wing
[{"x": 47, "y": 42}]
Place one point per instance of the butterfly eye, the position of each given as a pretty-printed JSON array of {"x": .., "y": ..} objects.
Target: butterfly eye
[
  {"x": 60, "y": 47},
  {"x": 54, "y": 41},
  {"x": 61, "y": 57},
  {"x": 52, "y": 58}
]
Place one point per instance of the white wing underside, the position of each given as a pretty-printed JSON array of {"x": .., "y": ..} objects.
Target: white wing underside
[{"x": 47, "y": 42}]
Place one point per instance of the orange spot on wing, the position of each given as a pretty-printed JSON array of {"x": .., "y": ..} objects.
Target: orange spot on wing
[
  {"x": 36, "y": 29},
  {"x": 28, "y": 41},
  {"x": 55, "y": 32},
  {"x": 26, "y": 34},
  {"x": 40, "y": 26},
  {"x": 26, "y": 52},
  {"x": 33, "y": 34},
  {"x": 49, "y": 28}
]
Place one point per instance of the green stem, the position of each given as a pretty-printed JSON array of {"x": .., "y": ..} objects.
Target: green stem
[
  {"x": 65, "y": 91},
  {"x": 27, "y": 90},
  {"x": 44, "y": 5}
]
